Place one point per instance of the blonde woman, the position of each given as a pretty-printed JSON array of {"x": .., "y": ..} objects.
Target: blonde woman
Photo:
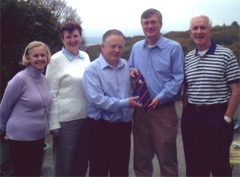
[{"x": 23, "y": 111}]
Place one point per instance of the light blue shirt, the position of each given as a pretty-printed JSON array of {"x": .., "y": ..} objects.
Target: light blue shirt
[
  {"x": 70, "y": 56},
  {"x": 107, "y": 90},
  {"x": 162, "y": 66}
]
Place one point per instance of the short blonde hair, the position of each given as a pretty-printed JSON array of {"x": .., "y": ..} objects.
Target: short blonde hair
[{"x": 25, "y": 60}]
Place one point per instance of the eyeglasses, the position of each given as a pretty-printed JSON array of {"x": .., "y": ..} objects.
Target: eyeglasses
[{"x": 152, "y": 22}]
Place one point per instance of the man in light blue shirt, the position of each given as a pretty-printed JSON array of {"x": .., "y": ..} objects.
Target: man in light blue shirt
[
  {"x": 108, "y": 91},
  {"x": 161, "y": 62}
]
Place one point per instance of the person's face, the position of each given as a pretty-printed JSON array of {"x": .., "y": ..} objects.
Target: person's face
[
  {"x": 201, "y": 33},
  {"x": 72, "y": 41},
  {"x": 151, "y": 26},
  {"x": 38, "y": 57},
  {"x": 112, "y": 49}
]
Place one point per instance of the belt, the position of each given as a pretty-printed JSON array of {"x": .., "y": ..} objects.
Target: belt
[
  {"x": 208, "y": 107},
  {"x": 165, "y": 105}
]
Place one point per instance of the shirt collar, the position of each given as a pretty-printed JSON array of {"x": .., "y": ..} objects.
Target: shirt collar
[
  {"x": 211, "y": 50},
  {"x": 70, "y": 56},
  {"x": 104, "y": 63},
  {"x": 159, "y": 43}
]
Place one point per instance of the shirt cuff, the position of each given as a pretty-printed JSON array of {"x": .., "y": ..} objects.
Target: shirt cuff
[{"x": 124, "y": 103}]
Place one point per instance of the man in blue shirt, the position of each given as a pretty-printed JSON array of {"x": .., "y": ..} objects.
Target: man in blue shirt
[
  {"x": 161, "y": 62},
  {"x": 108, "y": 91}
]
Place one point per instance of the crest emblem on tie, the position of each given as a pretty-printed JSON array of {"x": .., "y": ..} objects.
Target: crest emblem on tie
[
  {"x": 142, "y": 91},
  {"x": 140, "y": 81}
]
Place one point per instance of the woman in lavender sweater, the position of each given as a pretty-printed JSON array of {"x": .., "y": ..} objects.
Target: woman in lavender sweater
[{"x": 23, "y": 111}]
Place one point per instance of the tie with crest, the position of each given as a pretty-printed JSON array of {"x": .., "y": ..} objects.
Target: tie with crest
[{"x": 142, "y": 91}]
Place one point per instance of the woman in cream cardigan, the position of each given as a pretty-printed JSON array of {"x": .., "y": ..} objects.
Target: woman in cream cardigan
[{"x": 67, "y": 115}]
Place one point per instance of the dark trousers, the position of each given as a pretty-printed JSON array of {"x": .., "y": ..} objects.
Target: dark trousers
[
  {"x": 110, "y": 145},
  {"x": 206, "y": 139},
  {"x": 27, "y": 157}
]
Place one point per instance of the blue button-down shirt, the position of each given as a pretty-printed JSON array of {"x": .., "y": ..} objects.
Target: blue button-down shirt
[
  {"x": 162, "y": 66},
  {"x": 107, "y": 90}
]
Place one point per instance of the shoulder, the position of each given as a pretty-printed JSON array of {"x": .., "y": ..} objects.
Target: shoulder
[
  {"x": 124, "y": 61},
  {"x": 21, "y": 74},
  {"x": 94, "y": 64},
  {"x": 139, "y": 43},
  {"x": 84, "y": 55},
  {"x": 57, "y": 55},
  {"x": 125, "y": 64},
  {"x": 58, "y": 59},
  {"x": 44, "y": 77},
  {"x": 171, "y": 42},
  {"x": 190, "y": 54},
  {"x": 93, "y": 70},
  {"x": 222, "y": 49},
  {"x": 19, "y": 78}
]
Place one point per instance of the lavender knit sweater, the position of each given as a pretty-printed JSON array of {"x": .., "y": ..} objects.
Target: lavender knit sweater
[{"x": 23, "y": 106}]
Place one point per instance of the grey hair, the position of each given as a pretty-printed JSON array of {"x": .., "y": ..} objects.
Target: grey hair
[
  {"x": 202, "y": 16},
  {"x": 108, "y": 33}
]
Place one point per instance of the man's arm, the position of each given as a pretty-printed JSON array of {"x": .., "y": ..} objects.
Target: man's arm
[{"x": 234, "y": 100}]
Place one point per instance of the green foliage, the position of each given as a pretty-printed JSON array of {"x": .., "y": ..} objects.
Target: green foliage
[
  {"x": 24, "y": 21},
  {"x": 60, "y": 10},
  {"x": 227, "y": 36},
  {"x": 21, "y": 23},
  {"x": 93, "y": 51}
]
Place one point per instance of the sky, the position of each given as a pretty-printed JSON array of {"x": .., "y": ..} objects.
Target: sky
[{"x": 99, "y": 16}]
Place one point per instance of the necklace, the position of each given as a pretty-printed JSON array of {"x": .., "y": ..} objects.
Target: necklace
[
  {"x": 44, "y": 102},
  {"x": 31, "y": 72}
]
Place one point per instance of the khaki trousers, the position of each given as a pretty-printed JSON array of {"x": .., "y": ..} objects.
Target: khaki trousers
[{"x": 155, "y": 133}]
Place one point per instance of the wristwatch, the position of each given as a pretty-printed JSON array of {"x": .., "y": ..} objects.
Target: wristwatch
[{"x": 227, "y": 119}]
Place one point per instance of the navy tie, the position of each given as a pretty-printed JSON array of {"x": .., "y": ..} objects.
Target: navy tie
[{"x": 142, "y": 91}]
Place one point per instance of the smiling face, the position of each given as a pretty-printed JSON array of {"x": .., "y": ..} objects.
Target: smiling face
[
  {"x": 201, "y": 32},
  {"x": 72, "y": 41},
  {"x": 151, "y": 27},
  {"x": 112, "y": 49},
  {"x": 38, "y": 57}
]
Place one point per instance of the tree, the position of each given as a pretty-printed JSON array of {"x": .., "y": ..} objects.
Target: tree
[
  {"x": 61, "y": 11},
  {"x": 235, "y": 24},
  {"x": 21, "y": 23}
]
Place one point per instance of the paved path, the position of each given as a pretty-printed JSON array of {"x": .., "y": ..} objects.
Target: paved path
[{"x": 47, "y": 169}]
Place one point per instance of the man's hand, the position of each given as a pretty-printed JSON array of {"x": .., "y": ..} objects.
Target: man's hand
[
  {"x": 134, "y": 72},
  {"x": 154, "y": 103},
  {"x": 133, "y": 102}
]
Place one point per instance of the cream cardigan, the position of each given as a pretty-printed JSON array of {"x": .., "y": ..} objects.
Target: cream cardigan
[{"x": 65, "y": 82}]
